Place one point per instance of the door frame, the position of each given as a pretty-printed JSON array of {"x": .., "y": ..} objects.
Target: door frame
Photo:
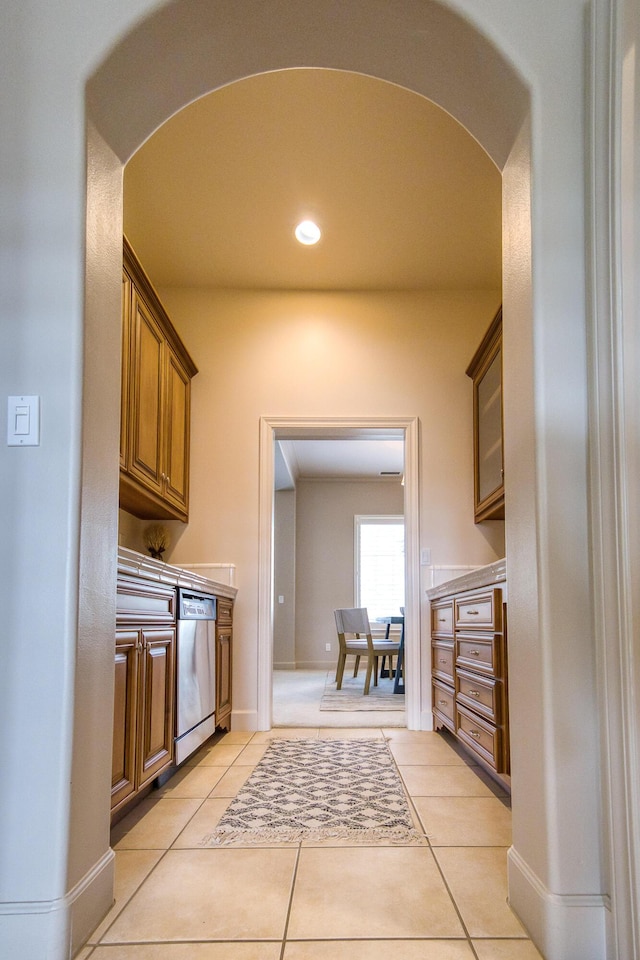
[{"x": 279, "y": 428}]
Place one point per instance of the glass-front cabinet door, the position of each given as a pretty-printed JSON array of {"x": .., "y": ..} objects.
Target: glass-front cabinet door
[{"x": 486, "y": 372}]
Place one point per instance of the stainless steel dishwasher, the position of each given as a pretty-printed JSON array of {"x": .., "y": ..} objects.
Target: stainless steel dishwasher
[{"x": 196, "y": 672}]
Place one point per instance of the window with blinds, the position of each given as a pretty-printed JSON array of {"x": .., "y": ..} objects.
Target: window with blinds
[{"x": 379, "y": 565}]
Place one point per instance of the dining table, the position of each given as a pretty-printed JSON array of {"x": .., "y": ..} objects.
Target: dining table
[{"x": 398, "y": 683}]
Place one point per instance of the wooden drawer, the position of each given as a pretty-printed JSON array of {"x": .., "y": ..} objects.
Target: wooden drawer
[
  {"x": 442, "y": 660},
  {"x": 480, "y": 653},
  {"x": 444, "y": 704},
  {"x": 480, "y": 611},
  {"x": 481, "y": 694},
  {"x": 480, "y": 736},
  {"x": 442, "y": 618},
  {"x": 225, "y": 612},
  {"x": 144, "y": 601}
]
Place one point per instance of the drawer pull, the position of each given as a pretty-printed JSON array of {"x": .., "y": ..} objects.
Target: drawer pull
[
  {"x": 442, "y": 620},
  {"x": 473, "y": 613},
  {"x": 443, "y": 660},
  {"x": 474, "y": 734},
  {"x": 474, "y": 693},
  {"x": 474, "y": 653},
  {"x": 443, "y": 703}
]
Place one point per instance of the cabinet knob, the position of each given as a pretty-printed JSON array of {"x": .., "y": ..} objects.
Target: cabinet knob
[
  {"x": 474, "y": 693},
  {"x": 474, "y": 653},
  {"x": 474, "y": 734},
  {"x": 443, "y": 703}
]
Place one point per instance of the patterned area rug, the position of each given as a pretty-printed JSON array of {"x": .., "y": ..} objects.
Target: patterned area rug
[
  {"x": 320, "y": 790},
  {"x": 351, "y": 695}
]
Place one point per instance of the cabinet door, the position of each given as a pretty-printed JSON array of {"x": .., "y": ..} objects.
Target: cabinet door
[
  {"x": 176, "y": 432},
  {"x": 155, "y": 713},
  {"x": 223, "y": 681},
  {"x": 123, "y": 765},
  {"x": 125, "y": 368},
  {"x": 489, "y": 464},
  {"x": 224, "y": 663},
  {"x": 145, "y": 437},
  {"x": 485, "y": 370}
]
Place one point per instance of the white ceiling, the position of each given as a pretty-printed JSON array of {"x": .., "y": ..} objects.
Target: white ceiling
[
  {"x": 405, "y": 197},
  {"x": 354, "y": 459}
]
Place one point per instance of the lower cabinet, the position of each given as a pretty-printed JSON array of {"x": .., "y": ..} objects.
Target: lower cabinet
[
  {"x": 144, "y": 694},
  {"x": 469, "y": 674},
  {"x": 224, "y": 648}
]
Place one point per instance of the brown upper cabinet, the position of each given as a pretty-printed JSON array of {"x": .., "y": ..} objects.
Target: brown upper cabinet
[
  {"x": 486, "y": 372},
  {"x": 156, "y": 403}
]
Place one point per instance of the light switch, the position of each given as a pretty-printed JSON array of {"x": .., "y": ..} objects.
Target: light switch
[
  {"x": 21, "y": 427},
  {"x": 280, "y": 599},
  {"x": 23, "y": 421},
  {"x": 425, "y": 556}
]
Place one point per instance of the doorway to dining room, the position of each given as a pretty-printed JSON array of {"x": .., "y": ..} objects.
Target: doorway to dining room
[{"x": 309, "y": 537}]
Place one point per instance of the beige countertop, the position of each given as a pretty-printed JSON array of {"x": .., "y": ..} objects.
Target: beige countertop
[
  {"x": 481, "y": 577},
  {"x": 134, "y": 564}
]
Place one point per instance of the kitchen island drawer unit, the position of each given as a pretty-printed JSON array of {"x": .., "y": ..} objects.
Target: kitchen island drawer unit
[{"x": 477, "y": 678}]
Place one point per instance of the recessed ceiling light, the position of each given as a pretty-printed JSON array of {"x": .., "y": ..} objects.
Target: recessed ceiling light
[{"x": 308, "y": 233}]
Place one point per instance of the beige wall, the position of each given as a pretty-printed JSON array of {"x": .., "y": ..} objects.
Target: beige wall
[
  {"x": 310, "y": 355},
  {"x": 284, "y": 579},
  {"x": 325, "y": 557}
]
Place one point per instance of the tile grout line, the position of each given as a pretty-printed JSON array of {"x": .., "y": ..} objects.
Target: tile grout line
[{"x": 290, "y": 904}]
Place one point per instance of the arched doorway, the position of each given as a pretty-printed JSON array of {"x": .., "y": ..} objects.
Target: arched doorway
[{"x": 433, "y": 51}]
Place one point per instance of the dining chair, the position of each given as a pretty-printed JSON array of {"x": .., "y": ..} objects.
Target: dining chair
[{"x": 354, "y": 637}]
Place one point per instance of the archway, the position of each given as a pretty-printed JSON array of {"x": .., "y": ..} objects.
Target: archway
[{"x": 430, "y": 50}]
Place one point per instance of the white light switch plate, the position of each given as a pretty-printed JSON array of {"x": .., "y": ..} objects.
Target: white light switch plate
[
  {"x": 23, "y": 421},
  {"x": 425, "y": 556}
]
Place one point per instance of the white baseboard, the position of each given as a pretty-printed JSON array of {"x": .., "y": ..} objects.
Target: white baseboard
[
  {"x": 562, "y": 926},
  {"x": 244, "y": 720},
  {"x": 426, "y": 720},
  {"x": 32, "y": 931},
  {"x": 91, "y": 899},
  {"x": 56, "y": 929},
  {"x": 316, "y": 664}
]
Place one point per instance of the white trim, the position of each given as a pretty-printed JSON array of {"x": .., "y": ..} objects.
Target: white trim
[
  {"x": 563, "y": 927},
  {"x": 31, "y": 928},
  {"x": 270, "y": 429},
  {"x": 614, "y": 367}
]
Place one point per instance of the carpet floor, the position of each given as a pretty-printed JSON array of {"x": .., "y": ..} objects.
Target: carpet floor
[
  {"x": 351, "y": 695},
  {"x": 296, "y": 703}
]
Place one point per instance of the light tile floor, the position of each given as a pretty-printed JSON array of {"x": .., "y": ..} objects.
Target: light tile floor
[{"x": 446, "y": 901}]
